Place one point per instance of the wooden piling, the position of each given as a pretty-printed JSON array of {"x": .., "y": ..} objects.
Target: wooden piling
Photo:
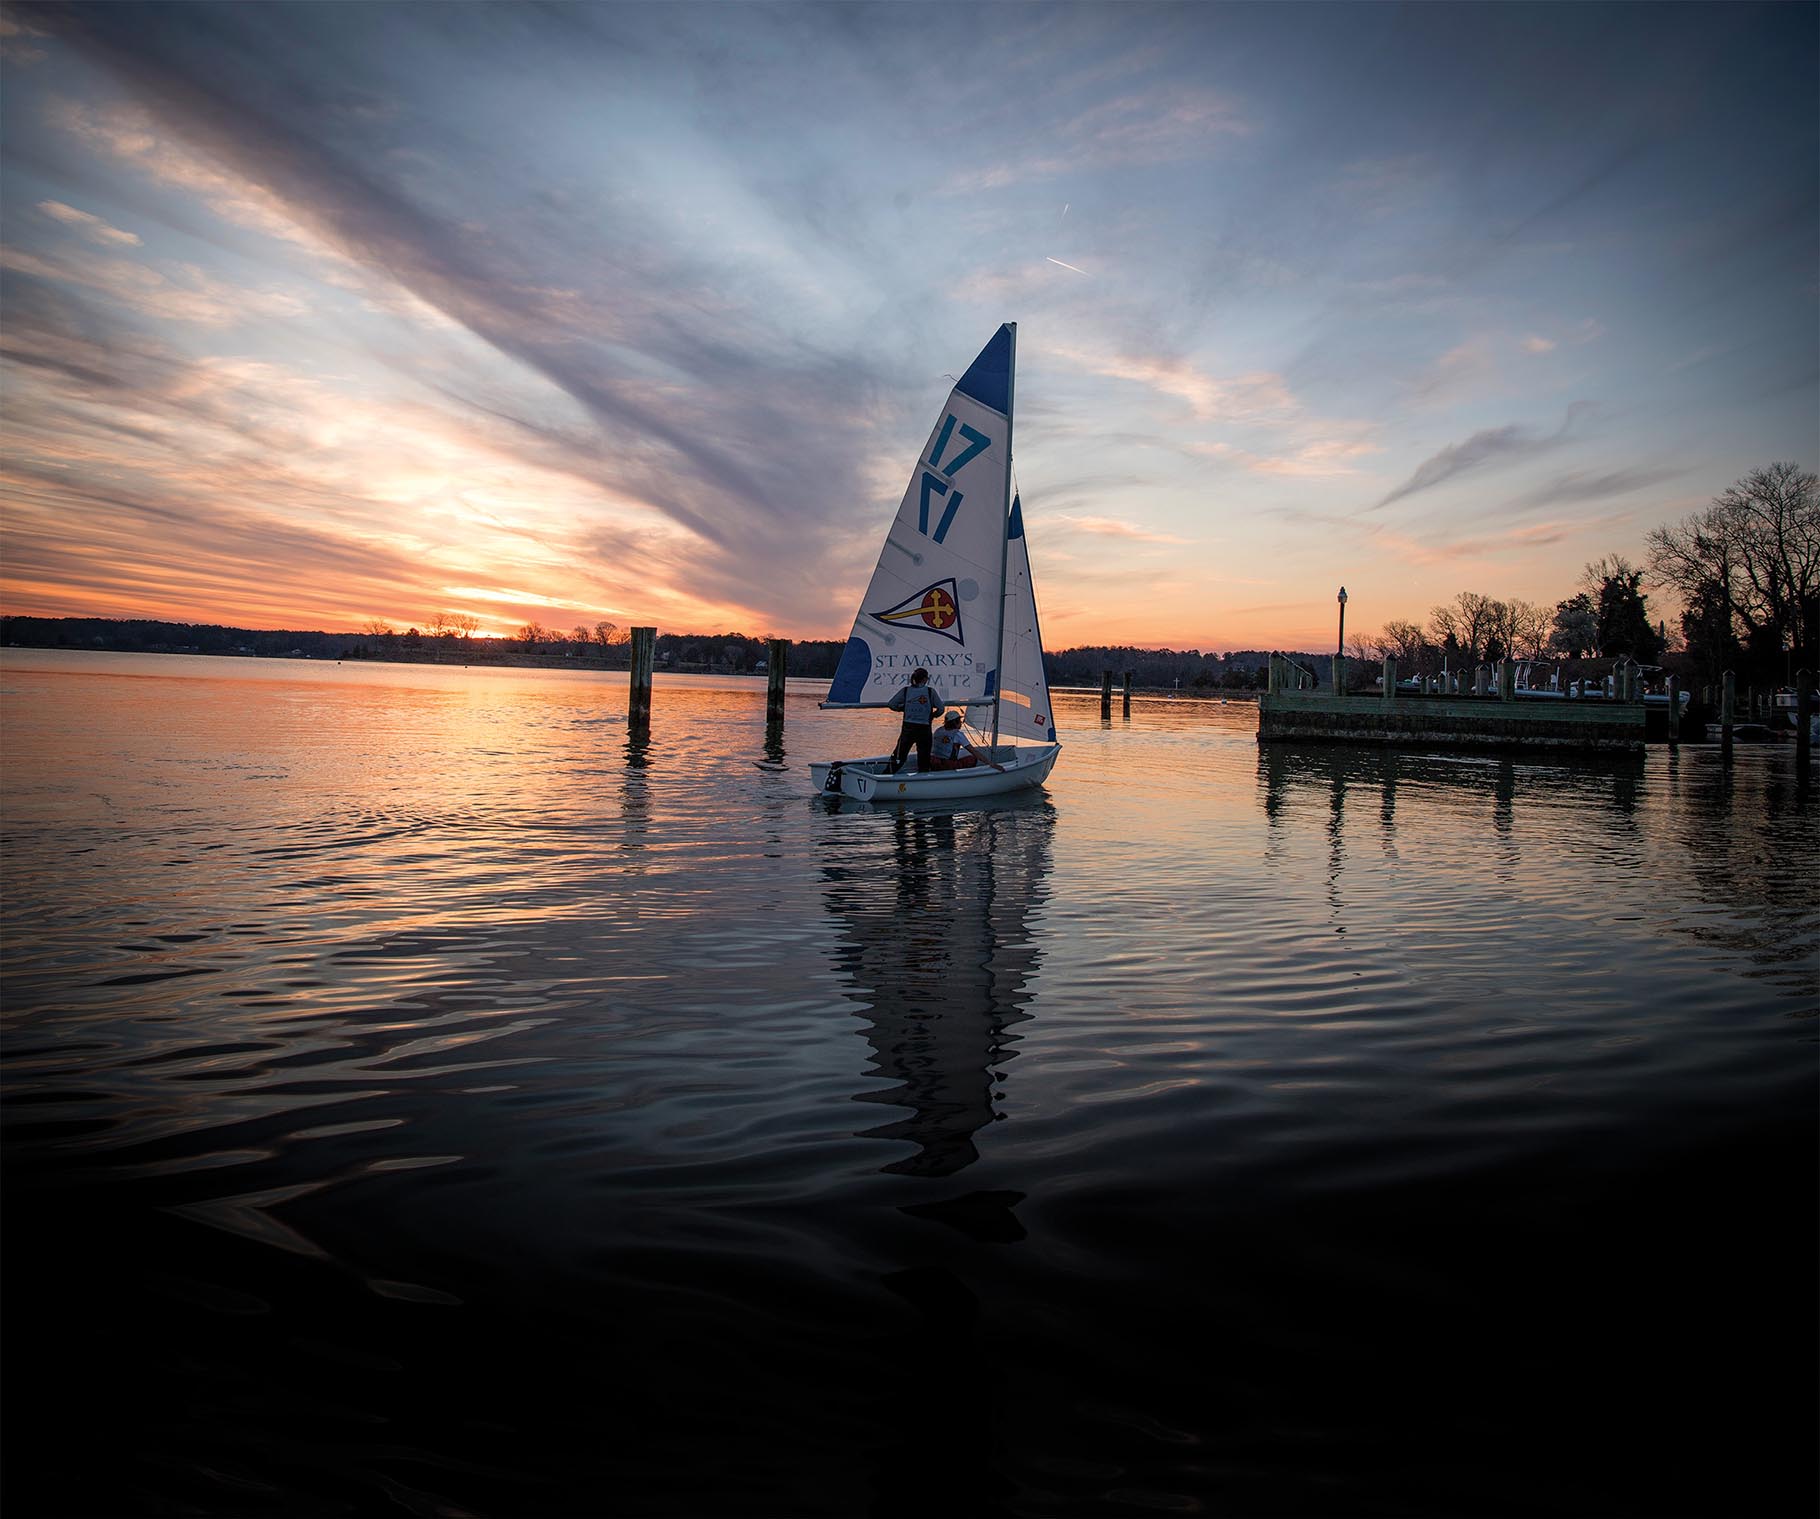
[
  {"x": 638, "y": 704},
  {"x": 1128, "y": 693},
  {"x": 776, "y": 669},
  {"x": 1106, "y": 696},
  {"x": 1481, "y": 680},
  {"x": 1390, "y": 677},
  {"x": 1339, "y": 675},
  {"x": 1728, "y": 701},
  {"x": 1674, "y": 710},
  {"x": 1804, "y": 716},
  {"x": 1507, "y": 680}
]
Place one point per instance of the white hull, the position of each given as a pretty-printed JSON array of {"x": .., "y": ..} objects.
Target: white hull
[{"x": 872, "y": 780}]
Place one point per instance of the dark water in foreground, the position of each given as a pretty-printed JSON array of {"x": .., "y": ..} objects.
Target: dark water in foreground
[{"x": 420, "y": 1100}]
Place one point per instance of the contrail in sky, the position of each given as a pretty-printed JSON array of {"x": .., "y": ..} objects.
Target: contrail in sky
[{"x": 1065, "y": 266}]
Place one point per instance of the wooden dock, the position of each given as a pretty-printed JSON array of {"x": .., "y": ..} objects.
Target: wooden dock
[{"x": 1487, "y": 716}]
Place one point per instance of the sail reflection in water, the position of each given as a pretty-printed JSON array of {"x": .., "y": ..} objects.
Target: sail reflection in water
[{"x": 940, "y": 951}]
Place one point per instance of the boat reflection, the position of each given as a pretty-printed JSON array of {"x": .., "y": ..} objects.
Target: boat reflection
[{"x": 937, "y": 945}]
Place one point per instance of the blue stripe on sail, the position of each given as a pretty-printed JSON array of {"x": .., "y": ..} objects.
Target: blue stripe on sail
[
  {"x": 853, "y": 671},
  {"x": 1016, "y": 530},
  {"x": 991, "y": 685},
  {"x": 988, "y": 378}
]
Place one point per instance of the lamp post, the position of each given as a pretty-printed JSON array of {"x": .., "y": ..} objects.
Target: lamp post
[{"x": 1339, "y": 653}]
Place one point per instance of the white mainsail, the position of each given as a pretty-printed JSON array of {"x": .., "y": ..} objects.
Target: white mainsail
[{"x": 936, "y": 599}]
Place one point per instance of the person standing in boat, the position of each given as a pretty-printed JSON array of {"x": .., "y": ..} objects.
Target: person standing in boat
[
  {"x": 952, "y": 748},
  {"x": 921, "y": 705}
]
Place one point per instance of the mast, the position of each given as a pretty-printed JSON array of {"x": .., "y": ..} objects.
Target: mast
[{"x": 1004, "y": 545}]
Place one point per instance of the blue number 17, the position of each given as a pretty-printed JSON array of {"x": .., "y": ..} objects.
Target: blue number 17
[{"x": 940, "y": 487}]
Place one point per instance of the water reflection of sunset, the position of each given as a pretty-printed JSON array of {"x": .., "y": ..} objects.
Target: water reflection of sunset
[{"x": 432, "y": 1020}]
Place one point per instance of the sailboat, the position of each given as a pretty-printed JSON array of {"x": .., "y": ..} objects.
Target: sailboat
[{"x": 952, "y": 595}]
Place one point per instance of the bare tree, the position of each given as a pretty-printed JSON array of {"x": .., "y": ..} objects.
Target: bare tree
[
  {"x": 1752, "y": 558},
  {"x": 1469, "y": 618},
  {"x": 1521, "y": 627},
  {"x": 532, "y": 634},
  {"x": 376, "y": 627},
  {"x": 1406, "y": 641},
  {"x": 609, "y": 634},
  {"x": 1606, "y": 567},
  {"x": 452, "y": 625}
]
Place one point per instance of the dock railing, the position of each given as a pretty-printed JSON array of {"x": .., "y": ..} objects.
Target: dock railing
[{"x": 1289, "y": 675}]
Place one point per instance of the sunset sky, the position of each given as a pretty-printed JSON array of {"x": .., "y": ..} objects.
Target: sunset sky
[{"x": 324, "y": 313}]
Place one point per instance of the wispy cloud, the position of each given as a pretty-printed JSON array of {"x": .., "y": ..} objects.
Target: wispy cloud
[
  {"x": 1117, "y": 527},
  {"x": 1583, "y": 485},
  {"x": 1320, "y": 457},
  {"x": 721, "y": 447},
  {"x": 186, "y": 293},
  {"x": 1257, "y": 396},
  {"x": 90, "y": 226},
  {"x": 1151, "y": 127},
  {"x": 1492, "y": 448}
]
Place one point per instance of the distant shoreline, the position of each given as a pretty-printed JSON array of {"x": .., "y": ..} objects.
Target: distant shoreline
[{"x": 569, "y": 662}]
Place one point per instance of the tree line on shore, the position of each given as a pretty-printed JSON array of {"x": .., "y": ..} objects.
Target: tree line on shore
[{"x": 604, "y": 645}]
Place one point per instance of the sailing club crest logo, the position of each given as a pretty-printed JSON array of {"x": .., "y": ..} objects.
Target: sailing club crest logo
[{"x": 934, "y": 609}]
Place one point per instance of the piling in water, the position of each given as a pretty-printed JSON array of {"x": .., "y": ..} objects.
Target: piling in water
[
  {"x": 1106, "y": 695},
  {"x": 1128, "y": 693},
  {"x": 638, "y": 704},
  {"x": 1674, "y": 710},
  {"x": 1728, "y": 701},
  {"x": 1390, "y": 677},
  {"x": 1804, "y": 717},
  {"x": 778, "y": 663}
]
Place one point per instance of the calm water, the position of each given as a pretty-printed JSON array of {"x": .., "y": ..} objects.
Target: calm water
[{"x": 421, "y": 1100}]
